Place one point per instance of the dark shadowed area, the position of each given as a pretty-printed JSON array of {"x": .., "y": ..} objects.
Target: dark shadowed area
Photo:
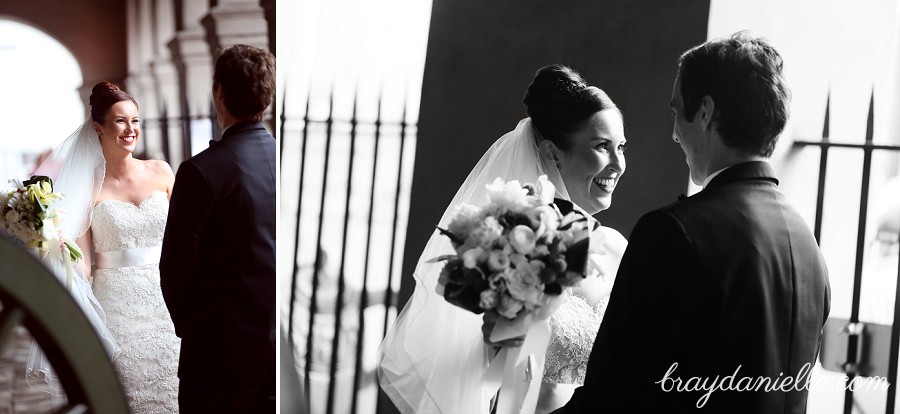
[{"x": 481, "y": 58}]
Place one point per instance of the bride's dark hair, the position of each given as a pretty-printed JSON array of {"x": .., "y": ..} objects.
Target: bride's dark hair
[
  {"x": 103, "y": 96},
  {"x": 559, "y": 101}
]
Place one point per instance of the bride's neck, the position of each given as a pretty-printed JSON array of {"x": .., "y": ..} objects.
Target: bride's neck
[{"x": 119, "y": 166}]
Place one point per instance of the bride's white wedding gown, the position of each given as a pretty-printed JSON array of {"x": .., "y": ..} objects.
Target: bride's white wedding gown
[
  {"x": 127, "y": 240},
  {"x": 574, "y": 326}
]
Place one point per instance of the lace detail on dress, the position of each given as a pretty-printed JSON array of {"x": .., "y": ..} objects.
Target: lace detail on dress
[
  {"x": 135, "y": 310},
  {"x": 573, "y": 329},
  {"x": 117, "y": 227}
]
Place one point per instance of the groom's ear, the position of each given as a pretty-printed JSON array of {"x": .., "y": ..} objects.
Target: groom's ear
[
  {"x": 706, "y": 112},
  {"x": 218, "y": 93}
]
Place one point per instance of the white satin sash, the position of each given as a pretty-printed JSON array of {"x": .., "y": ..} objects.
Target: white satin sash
[{"x": 124, "y": 258}]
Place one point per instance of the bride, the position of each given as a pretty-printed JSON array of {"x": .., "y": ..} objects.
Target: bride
[
  {"x": 118, "y": 205},
  {"x": 434, "y": 357}
]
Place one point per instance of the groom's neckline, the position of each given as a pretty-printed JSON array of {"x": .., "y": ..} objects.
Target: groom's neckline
[
  {"x": 240, "y": 126},
  {"x": 751, "y": 170}
]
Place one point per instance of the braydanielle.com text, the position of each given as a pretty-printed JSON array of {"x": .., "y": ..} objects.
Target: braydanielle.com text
[{"x": 732, "y": 382}]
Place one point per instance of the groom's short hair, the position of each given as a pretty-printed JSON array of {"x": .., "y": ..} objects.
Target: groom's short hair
[
  {"x": 743, "y": 76},
  {"x": 246, "y": 75}
]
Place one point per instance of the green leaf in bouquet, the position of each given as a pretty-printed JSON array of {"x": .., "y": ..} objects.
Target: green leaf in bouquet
[
  {"x": 455, "y": 272},
  {"x": 38, "y": 179},
  {"x": 553, "y": 289},
  {"x": 466, "y": 295},
  {"x": 562, "y": 206},
  {"x": 441, "y": 258},
  {"x": 511, "y": 219},
  {"x": 74, "y": 251},
  {"x": 568, "y": 224},
  {"x": 547, "y": 273},
  {"x": 453, "y": 238},
  {"x": 576, "y": 256}
]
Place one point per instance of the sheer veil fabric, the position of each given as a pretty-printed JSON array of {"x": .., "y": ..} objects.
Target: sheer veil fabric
[
  {"x": 77, "y": 168},
  {"x": 433, "y": 358}
]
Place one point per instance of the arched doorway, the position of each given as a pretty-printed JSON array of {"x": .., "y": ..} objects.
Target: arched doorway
[
  {"x": 41, "y": 102},
  {"x": 40, "y": 105}
]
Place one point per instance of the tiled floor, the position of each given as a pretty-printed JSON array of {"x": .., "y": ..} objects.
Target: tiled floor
[{"x": 16, "y": 397}]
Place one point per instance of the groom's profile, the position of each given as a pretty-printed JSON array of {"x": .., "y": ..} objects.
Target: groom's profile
[
  {"x": 217, "y": 269},
  {"x": 720, "y": 298}
]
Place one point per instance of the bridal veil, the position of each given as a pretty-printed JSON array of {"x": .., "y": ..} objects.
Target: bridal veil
[
  {"x": 434, "y": 357},
  {"x": 77, "y": 168}
]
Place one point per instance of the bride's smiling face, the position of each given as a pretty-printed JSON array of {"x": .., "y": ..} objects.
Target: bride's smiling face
[
  {"x": 121, "y": 128},
  {"x": 593, "y": 164}
]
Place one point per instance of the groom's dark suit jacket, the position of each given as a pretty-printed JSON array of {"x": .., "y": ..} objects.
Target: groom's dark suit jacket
[
  {"x": 218, "y": 268},
  {"x": 727, "y": 281}
]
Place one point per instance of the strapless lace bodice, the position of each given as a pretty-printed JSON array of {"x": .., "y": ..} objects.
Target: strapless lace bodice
[
  {"x": 572, "y": 331},
  {"x": 130, "y": 293},
  {"x": 574, "y": 326},
  {"x": 120, "y": 225}
]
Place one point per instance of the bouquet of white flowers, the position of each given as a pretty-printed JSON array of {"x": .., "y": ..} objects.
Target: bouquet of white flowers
[
  {"x": 27, "y": 214},
  {"x": 515, "y": 254}
]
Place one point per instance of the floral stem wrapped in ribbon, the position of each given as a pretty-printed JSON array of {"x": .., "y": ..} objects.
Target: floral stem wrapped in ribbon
[
  {"x": 515, "y": 256},
  {"x": 27, "y": 214}
]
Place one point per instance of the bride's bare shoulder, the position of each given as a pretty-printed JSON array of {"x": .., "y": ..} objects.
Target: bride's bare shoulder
[
  {"x": 159, "y": 167},
  {"x": 161, "y": 173},
  {"x": 615, "y": 242}
]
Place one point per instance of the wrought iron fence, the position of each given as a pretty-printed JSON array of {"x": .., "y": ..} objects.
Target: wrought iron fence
[
  {"x": 328, "y": 333},
  {"x": 854, "y": 329},
  {"x": 331, "y": 340}
]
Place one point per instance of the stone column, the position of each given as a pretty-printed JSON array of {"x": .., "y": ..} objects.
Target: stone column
[
  {"x": 141, "y": 83},
  {"x": 142, "y": 86},
  {"x": 167, "y": 84},
  {"x": 166, "y": 76},
  {"x": 236, "y": 22},
  {"x": 192, "y": 57}
]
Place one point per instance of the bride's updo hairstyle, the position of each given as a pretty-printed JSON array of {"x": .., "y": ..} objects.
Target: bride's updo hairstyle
[
  {"x": 559, "y": 101},
  {"x": 103, "y": 96}
]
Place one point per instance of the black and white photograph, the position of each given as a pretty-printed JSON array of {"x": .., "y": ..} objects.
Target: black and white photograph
[{"x": 606, "y": 206}]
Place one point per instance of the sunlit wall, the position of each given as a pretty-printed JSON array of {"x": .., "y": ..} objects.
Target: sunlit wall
[{"x": 843, "y": 51}]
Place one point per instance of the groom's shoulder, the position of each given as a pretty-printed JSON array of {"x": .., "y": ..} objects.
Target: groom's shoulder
[
  {"x": 664, "y": 217},
  {"x": 203, "y": 163},
  {"x": 679, "y": 215}
]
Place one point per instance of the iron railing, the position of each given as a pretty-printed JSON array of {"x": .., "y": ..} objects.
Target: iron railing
[
  {"x": 376, "y": 153},
  {"x": 853, "y": 337}
]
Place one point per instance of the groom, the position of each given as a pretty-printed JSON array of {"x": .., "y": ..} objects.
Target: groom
[
  {"x": 721, "y": 297},
  {"x": 218, "y": 256}
]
